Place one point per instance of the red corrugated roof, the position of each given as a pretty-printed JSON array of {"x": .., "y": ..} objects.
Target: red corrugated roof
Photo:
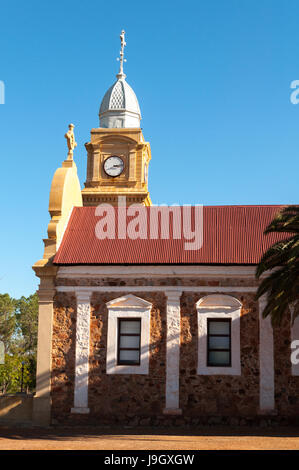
[{"x": 231, "y": 235}]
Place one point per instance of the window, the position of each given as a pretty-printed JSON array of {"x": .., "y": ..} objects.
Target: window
[
  {"x": 129, "y": 341},
  {"x": 218, "y": 320},
  {"x": 219, "y": 342},
  {"x": 128, "y": 335}
]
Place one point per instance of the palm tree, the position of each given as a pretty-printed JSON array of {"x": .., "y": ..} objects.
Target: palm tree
[{"x": 282, "y": 261}]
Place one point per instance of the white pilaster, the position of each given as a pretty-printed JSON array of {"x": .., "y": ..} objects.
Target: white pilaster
[
  {"x": 267, "y": 402},
  {"x": 173, "y": 353},
  {"x": 82, "y": 352}
]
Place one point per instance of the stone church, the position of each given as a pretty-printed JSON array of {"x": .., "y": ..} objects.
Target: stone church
[{"x": 140, "y": 330}]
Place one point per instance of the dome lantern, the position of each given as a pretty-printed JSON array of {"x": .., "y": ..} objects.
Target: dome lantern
[{"x": 120, "y": 107}]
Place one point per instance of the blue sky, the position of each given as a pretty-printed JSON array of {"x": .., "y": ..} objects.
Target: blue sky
[{"x": 213, "y": 82}]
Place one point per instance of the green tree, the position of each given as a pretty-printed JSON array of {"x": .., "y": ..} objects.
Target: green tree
[
  {"x": 11, "y": 374},
  {"x": 27, "y": 321},
  {"x": 7, "y": 320},
  {"x": 281, "y": 285},
  {"x": 18, "y": 332}
]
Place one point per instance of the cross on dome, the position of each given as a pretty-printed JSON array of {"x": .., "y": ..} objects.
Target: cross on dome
[
  {"x": 119, "y": 107},
  {"x": 121, "y": 58}
]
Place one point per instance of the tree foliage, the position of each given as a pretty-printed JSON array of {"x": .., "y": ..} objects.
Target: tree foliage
[
  {"x": 11, "y": 374},
  {"x": 7, "y": 320},
  {"x": 27, "y": 321},
  {"x": 281, "y": 260},
  {"x": 18, "y": 331}
]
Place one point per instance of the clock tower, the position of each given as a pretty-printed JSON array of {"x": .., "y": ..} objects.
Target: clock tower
[{"x": 117, "y": 154}]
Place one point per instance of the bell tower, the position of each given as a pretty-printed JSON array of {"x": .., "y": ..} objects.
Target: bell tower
[{"x": 117, "y": 155}]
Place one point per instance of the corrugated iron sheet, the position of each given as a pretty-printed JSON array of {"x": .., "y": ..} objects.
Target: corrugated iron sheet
[{"x": 231, "y": 235}]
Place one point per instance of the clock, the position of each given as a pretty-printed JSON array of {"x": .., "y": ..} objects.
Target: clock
[{"x": 113, "y": 166}]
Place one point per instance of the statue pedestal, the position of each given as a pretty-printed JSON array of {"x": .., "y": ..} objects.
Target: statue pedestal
[{"x": 68, "y": 164}]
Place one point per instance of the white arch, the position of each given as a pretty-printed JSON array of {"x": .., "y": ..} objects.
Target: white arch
[
  {"x": 218, "y": 301},
  {"x": 129, "y": 301}
]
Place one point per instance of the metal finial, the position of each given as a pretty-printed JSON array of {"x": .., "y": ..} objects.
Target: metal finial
[{"x": 121, "y": 58}]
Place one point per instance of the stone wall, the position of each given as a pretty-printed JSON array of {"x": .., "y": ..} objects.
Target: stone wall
[
  {"x": 166, "y": 282},
  {"x": 112, "y": 398},
  {"x": 63, "y": 356},
  {"x": 219, "y": 395},
  {"x": 140, "y": 399},
  {"x": 126, "y": 397},
  {"x": 286, "y": 385}
]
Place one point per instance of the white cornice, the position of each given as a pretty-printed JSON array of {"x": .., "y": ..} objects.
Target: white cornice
[
  {"x": 155, "y": 271},
  {"x": 167, "y": 289}
]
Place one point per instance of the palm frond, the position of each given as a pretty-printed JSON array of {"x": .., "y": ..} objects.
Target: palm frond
[{"x": 281, "y": 260}]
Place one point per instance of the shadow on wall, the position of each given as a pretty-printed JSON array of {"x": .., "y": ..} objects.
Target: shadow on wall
[{"x": 16, "y": 409}]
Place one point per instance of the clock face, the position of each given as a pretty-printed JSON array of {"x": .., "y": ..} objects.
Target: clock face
[{"x": 113, "y": 166}]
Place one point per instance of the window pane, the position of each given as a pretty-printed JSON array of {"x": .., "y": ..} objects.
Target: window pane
[
  {"x": 219, "y": 358},
  {"x": 130, "y": 326},
  {"x": 219, "y": 327},
  {"x": 129, "y": 341},
  {"x": 218, "y": 342},
  {"x": 130, "y": 357}
]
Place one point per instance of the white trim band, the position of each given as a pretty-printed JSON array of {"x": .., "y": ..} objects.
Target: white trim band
[
  {"x": 156, "y": 271},
  {"x": 220, "y": 289}
]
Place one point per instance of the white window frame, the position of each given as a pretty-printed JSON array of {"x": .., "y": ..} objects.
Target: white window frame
[
  {"x": 128, "y": 306},
  {"x": 218, "y": 306}
]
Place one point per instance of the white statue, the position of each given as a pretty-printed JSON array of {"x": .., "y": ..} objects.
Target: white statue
[{"x": 71, "y": 143}]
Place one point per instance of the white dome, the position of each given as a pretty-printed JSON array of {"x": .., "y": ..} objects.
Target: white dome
[{"x": 119, "y": 107}]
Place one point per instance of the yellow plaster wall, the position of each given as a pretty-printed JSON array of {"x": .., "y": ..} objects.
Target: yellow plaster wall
[
  {"x": 65, "y": 193},
  {"x": 130, "y": 145}
]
